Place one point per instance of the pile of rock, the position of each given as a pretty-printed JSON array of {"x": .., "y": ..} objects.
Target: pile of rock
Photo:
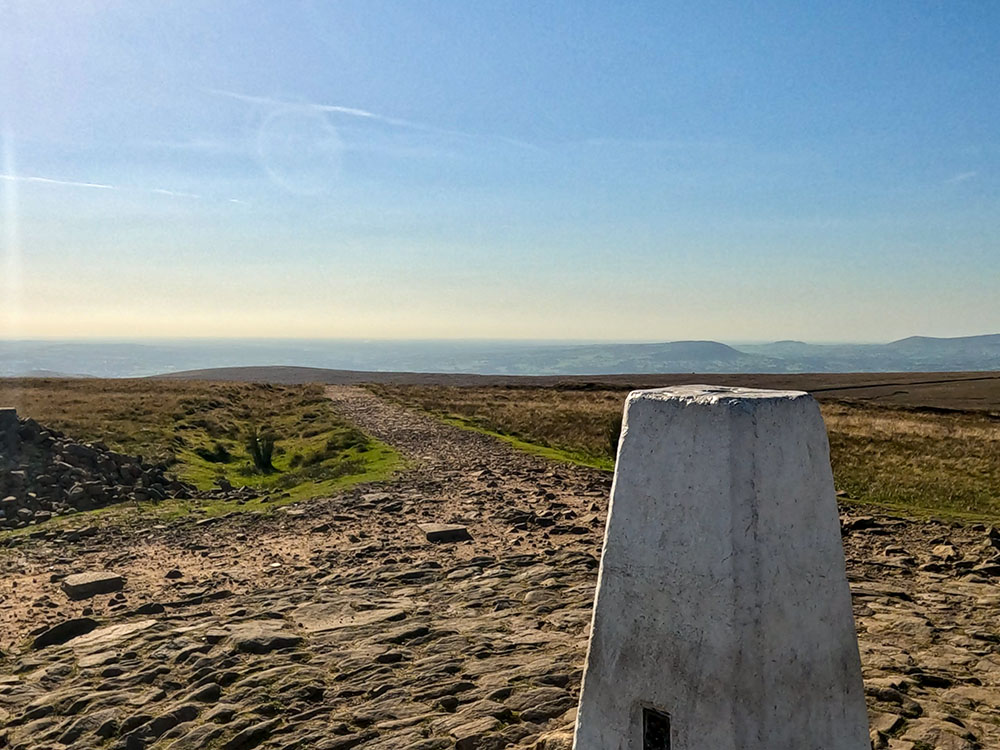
[{"x": 43, "y": 473}]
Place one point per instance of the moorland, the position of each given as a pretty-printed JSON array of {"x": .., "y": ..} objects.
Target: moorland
[
  {"x": 920, "y": 459},
  {"x": 326, "y": 613}
]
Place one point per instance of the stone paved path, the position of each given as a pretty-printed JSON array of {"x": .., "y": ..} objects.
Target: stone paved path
[{"x": 336, "y": 624}]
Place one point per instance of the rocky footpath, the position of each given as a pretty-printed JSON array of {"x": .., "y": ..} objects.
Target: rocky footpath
[{"x": 339, "y": 623}]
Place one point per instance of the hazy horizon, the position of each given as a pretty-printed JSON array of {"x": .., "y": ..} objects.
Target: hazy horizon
[
  {"x": 453, "y": 340},
  {"x": 502, "y": 171},
  {"x": 133, "y": 358}
]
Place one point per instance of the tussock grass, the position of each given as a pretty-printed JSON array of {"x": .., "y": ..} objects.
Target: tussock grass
[{"x": 916, "y": 462}]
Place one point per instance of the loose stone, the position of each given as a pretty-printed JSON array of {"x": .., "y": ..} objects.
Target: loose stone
[
  {"x": 86, "y": 585},
  {"x": 444, "y": 532}
]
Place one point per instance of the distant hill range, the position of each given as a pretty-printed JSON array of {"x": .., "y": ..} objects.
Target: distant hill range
[
  {"x": 913, "y": 354},
  {"x": 134, "y": 359}
]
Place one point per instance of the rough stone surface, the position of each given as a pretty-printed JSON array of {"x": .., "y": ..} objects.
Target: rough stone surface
[
  {"x": 263, "y": 638},
  {"x": 8, "y": 429},
  {"x": 64, "y": 631},
  {"x": 722, "y": 600}
]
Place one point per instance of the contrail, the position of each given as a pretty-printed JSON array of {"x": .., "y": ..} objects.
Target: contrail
[
  {"x": 174, "y": 193},
  {"x": 267, "y": 101},
  {"x": 10, "y": 176},
  {"x": 373, "y": 116}
]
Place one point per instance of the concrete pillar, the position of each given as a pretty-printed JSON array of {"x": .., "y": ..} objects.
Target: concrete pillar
[{"x": 723, "y": 616}]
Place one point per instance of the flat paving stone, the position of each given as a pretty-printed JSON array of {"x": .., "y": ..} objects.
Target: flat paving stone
[{"x": 92, "y": 583}]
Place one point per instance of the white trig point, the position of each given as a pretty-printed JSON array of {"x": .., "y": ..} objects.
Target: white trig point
[{"x": 723, "y": 616}]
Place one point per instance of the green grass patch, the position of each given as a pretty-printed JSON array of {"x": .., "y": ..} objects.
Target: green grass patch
[
  {"x": 200, "y": 431},
  {"x": 578, "y": 458}
]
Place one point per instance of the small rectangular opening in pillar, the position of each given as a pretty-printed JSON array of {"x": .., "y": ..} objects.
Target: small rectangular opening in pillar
[{"x": 655, "y": 730}]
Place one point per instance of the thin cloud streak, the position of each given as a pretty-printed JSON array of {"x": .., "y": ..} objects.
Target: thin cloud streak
[
  {"x": 174, "y": 193},
  {"x": 53, "y": 181},
  {"x": 962, "y": 177},
  {"x": 7, "y": 177},
  {"x": 372, "y": 116},
  {"x": 269, "y": 102}
]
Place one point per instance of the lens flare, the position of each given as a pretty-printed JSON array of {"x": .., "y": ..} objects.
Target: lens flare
[{"x": 300, "y": 150}]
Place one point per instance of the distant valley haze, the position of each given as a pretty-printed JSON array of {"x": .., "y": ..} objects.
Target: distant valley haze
[{"x": 144, "y": 358}]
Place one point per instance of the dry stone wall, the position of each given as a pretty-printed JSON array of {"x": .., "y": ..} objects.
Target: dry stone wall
[{"x": 43, "y": 474}]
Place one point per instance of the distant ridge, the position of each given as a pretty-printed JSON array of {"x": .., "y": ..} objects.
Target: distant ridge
[
  {"x": 992, "y": 339},
  {"x": 964, "y": 351},
  {"x": 692, "y": 349},
  {"x": 911, "y": 354},
  {"x": 52, "y": 374},
  {"x": 968, "y": 344}
]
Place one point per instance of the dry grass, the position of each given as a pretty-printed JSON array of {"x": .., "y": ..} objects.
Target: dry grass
[
  {"x": 931, "y": 462},
  {"x": 920, "y": 462},
  {"x": 567, "y": 420}
]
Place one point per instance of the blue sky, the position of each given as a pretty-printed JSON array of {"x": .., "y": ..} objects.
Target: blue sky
[{"x": 558, "y": 170}]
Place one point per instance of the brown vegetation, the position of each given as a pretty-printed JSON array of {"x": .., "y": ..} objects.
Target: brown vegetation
[
  {"x": 979, "y": 391},
  {"x": 922, "y": 461}
]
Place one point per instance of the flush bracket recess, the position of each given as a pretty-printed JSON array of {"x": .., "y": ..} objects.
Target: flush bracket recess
[{"x": 655, "y": 729}]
